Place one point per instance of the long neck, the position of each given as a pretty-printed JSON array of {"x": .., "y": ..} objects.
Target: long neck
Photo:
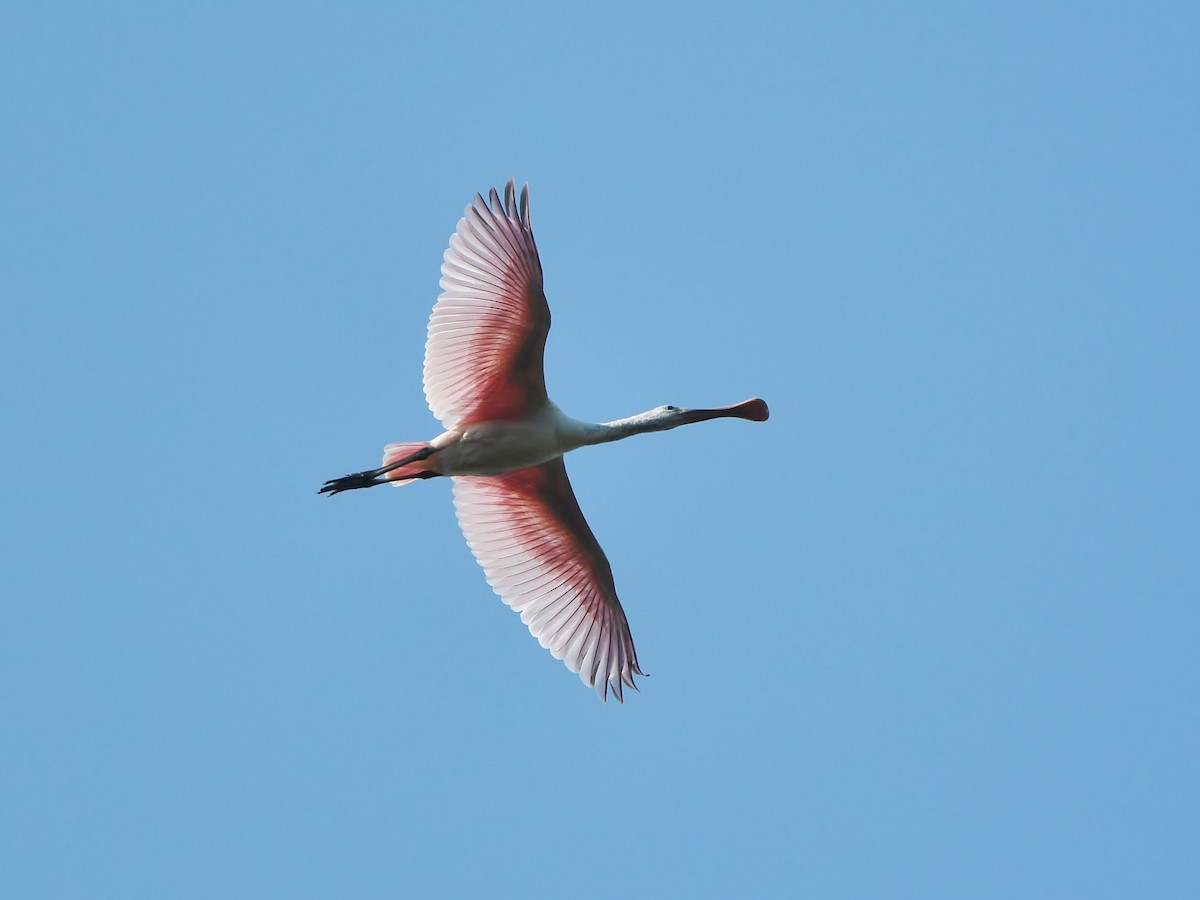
[
  {"x": 661, "y": 418},
  {"x": 589, "y": 433}
]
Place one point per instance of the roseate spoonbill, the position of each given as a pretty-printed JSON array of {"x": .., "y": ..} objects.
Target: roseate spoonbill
[{"x": 504, "y": 444}]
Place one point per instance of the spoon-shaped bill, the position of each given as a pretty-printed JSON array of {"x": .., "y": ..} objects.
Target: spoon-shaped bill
[{"x": 754, "y": 409}]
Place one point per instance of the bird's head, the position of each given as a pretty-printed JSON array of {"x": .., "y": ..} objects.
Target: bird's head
[{"x": 662, "y": 418}]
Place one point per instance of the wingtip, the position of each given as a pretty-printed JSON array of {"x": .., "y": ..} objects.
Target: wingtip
[
  {"x": 513, "y": 207},
  {"x": 617, "y": 683}
]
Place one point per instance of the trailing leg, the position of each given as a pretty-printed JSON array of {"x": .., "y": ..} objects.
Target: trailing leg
[{"x": 401, "y": 464}]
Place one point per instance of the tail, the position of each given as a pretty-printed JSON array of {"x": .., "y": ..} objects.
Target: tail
[{"x": 403, "y": 475}]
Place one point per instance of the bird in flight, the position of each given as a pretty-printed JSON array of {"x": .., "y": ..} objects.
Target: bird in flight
[{"x": 504, "y": 443}]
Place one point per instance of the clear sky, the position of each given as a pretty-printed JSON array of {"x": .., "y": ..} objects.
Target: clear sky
[{"x": 931, "y": 631}]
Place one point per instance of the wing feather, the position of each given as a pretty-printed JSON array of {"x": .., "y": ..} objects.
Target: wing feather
[
  {"x": 487, "y": 334},
  {"x": 529, "y": 535}
]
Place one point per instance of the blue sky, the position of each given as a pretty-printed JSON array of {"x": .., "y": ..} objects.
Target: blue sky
[{"x": 929, "y": 632}]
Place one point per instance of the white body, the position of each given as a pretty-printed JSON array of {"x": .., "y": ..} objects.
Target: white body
[{"x": 497, "y": 448}]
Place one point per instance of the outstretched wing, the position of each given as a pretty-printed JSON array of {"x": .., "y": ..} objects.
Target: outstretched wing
[
  {"x": 488, "y": 330},
  {"x": 526, "y": 530}
]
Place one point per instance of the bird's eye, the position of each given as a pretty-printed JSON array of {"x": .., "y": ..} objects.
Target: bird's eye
[{"x": 671, "y": 408}]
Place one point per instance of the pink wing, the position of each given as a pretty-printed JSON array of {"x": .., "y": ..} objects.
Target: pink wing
[
  {"x": 526, "y": 530},
  {"x": 487, "y": 334}
]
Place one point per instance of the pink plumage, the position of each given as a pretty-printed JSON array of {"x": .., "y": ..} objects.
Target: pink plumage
[
  {"x": 483, "y": 359},
  {"x": 527, "y": 531}
]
